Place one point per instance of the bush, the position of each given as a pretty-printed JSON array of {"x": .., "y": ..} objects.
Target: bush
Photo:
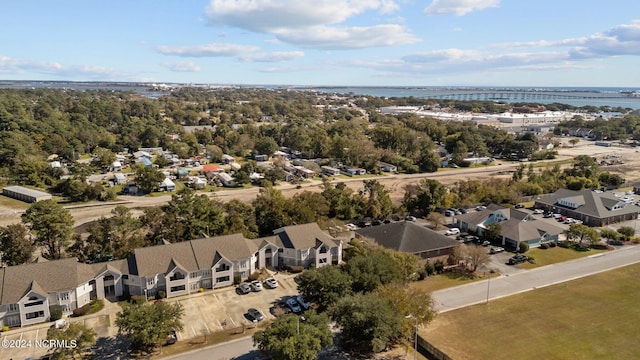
[
  {"x": 564, "y": 244},
  {"x": 544, "y": 246},
  {"x": 524, "y": 247},
  {"x": 161, "y": 294},
  {"x": 422, "y": 274},
  {"x": 96, "y": 305},
  {"x": 83, "y": 310},
  {"x": 254, "y": 276},
  {"x": 438, "y": 266},
  {"x": 55, "y": 312},
  {"x": 552, "y": 244},
  {"x": 236, "y": 279},
  {"x": 429, "y": 268},
  {"x": 5, "y": 328},
  {"x": 296, "y": 269},
  {"x": 201, "y": 290},
  {"x": 137, "y": 299}
]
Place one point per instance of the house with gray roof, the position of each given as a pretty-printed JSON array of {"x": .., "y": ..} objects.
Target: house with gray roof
[
  {"x": 593, "y": 208},
  {"x": 27, "y": 291},
  {"x": 409, "y": 237},
  {"x": 515, "y": 226}
]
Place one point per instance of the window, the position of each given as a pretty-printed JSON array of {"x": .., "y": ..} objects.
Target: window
[
  {"x": 13, "y": 307},
  {"x": 223, "y": 267},
  {"x": 222, "y": 279},
  {"x": 177, "y": 276},
  {"x": 193, "y": 275},
  {"x": 151, "y": 281},
  {"x": 323, "y": 250},
  {"x": 34, "y": 303},
  {"x": 34, "y": 315},
  {"x": 65, "y": 308},
  {"x": 63, "y": 296},
  {"x": 108, "y": 277},
  {"x": 322, "y": 260},
  {"x": 195, "y": 286},
  {"x": 280, "y": 250},
  {"x": 207, "y": 272},
  {"x": 268, "y": 251},
  {"x": 243, "y": 264},
  {"x": 125, "y": 276},
  {"x": 178, "y": 288}
]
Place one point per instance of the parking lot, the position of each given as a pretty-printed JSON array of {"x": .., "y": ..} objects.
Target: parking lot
[{"x": 225, "y": 309}]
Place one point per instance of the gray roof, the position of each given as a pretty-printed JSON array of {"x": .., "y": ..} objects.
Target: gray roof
[
  {"x": 304, "y": 236},
  {"x": 477, "y": 217},
  {"x": 407, "y": 236},
  {"x": 591, "y": 203},
  {"x": 519, "y": 230},
  {"x": 27, "y": 191},
  {"x": 49, "y": 276}
]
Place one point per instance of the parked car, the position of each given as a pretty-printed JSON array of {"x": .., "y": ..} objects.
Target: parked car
[
  {"x": 172, "y": 338},
  {"x": 449, "y": 213},
  {"x": 352, "y": 227},
  {"x": 411, "y": 218},
  {"x": 496, "y": 249},
  {"x": 486, "y": 243},
  {"x": 305, "y": 305},
  {"x": 519, "y": 206},
  {"x": 538, "y": 211},
  {"x": 481, "y": 207},
  {"x": 293, "y": 305},
  {"x": 256, "y": 285},
  {"x": 271, "y": 283},
  {"x": 244, "y": 288},
  {"x": 517, "y": 259},
  {"x": 453, "y": 231},
  {"x": 547, "y": 215},
  {"x": 254, "y": 315}
]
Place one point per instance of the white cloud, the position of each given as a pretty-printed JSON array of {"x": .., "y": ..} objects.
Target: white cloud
[
  {"x": 182, "y": 66},
  {"x": 311, "y": 24},
  {"x": 208, "y": 50},
  {"x": 271, "y": 15},
  {"x": 276, "y": 56},
  {"x": 357, "y": 37},
  {"x": 9, "y": 65},
  {"x": 459, "y": 7}
]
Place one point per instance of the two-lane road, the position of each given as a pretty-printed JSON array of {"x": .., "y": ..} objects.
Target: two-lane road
[{"x": 478, "y": 292}]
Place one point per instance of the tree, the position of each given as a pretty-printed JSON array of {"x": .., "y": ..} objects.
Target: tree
[
  {"x": 324, "y": 286},
  {"x": 291, "y": 337},
  {"x": 409, "y": 301},
  {"x": 148, "y": 325},
  {"x": 190, "y": 216},
  {"x": 378, "y": 204},
  {"x": 427, "y": 196},
  {"x": 266, "y": 145},
  {"x": 240, "y": 219},
  {"x": 574, "y": 142},
  {"x": 627, "y": 232},
  {"x": 369, "y": 323},
  {"x": 307, "y": 207},
  {"x": 52, "y": 224},
  {"x": 581, "y": 233},
  {"x": 78, "y": 337},
  {"x": 373, "y": 268},
  {"x": 492, "y": 233},
  {"x": 270, "y": 210},
  {"x": 609, "y": 234},
  {"x": 15, "y": 245},
  {"x": 147, "y": 178}
]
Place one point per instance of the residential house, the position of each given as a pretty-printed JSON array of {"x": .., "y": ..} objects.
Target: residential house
[
  {"x": 305, "y": 245},
  {"x": 409, "y": 237},
  {"x": 515, "y": 226},
  {"x": 386, "y": 167},
  {"x": 330, "y": 171},
  {"x": 145, "y": 161},
  {"x": 225, "y": 179},
  {"x": 593, "y": 208},
  {"x": 167, "y": 185},
  {"x": 228, "y": 159},
  {"x": 119, "y": 179},
  {"x": 116, "y": 166}
]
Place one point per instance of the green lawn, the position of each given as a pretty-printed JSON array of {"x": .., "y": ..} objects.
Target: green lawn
[
  {"x": 443, "y": 281},
  {"x": 554, "y": 255},
  {"x": 595, "y": 317}
]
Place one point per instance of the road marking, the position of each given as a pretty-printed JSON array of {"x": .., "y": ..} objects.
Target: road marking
[
  {"x": 21, "y": 336},
  {"x": 595, "y": 255},
  {"x": 233, "y": 322},
  {"x": 206, "y": 327},
  {"x": 37, "y": 331},
  {"x": 193, "y": 331},
  {"x": 203, "y": 300}
]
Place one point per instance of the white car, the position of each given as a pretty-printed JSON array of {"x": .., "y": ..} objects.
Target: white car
[
  {"x": 271, "y": 283},
  {"x": 352, "y": 227},
  {"x": 256, "y": 285},
  {"x": 538, "y": 211},
  {"x": 454, "y": 231}
]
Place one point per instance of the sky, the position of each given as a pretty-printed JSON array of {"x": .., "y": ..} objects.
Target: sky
[{"x": 324, "y": 42}]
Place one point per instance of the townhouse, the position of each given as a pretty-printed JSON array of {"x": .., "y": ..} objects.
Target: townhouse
[{"x": 27, "y": 292}]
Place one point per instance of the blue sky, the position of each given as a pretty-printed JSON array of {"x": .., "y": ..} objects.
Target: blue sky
[{"x": 324, "y": 42}]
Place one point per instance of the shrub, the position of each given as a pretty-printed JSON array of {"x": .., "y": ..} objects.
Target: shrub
[
  {"x": 429, "y": 268},
  {"x": 55, "y": 312},
  {"x": 564, "y": 244},
  {"x": 296, "y": 269},
  {"x": 544, "y": 246},
  {"x": 5, "y": 328},
  {"x": 524, "y": 247},
  {"x": 83, "y": 310},
  {"x": 254, "y": 276},
  {"x": 422, "y": 274},
  {"x": 138, "y": 299},
  {"x": 96, "y": 305},
  {"x": 201, "y": 290},
  {"x": 438, "y": 266},
  {"x": 236, "y": 279},
  {"x": 161, "y": 294},
  {"x": 552, "y": 244},
  {"x": 531, "y": 260}
]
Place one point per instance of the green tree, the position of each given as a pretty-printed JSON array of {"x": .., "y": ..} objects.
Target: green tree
[
  {"x": 240, "y": 219},
  {"x": 409, "y": 301},
  {"x": 52, "y": 225},
  {"x": 147, "y": 177},
  {"x": 270, "y": 209},
  {"x": 425, "y": 197},
  {"x": 77, "y": 335},
  {"x": 15, "y": 245},
  {"x": 266, "y": 145},
  {"x": 324, "y": 286},
  {"x": 369, "y": 323},
  {"x": 307, "y": 207},
  {"x": 148, "y": 325},
  {"x": 291, "y": 337},
  {"x": 609, "y": 234},
  {"x": 103, "y": 158},
  {"x": 582, "y": 233},
  {"x": 190, "y": 216},
  {"x": 627, "y": 232},
  {"x": 371, "y": 269},
  {"x": 378, "y": 203},
  {"x": 492, "y": 232}
]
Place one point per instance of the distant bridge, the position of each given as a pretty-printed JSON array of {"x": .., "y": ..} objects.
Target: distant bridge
[{"x": 523, "y": 96}]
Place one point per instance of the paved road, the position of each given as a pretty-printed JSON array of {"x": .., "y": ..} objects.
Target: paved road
[
  {"x": 475, "y": 293},
  {"x": 240, "y": 349}
]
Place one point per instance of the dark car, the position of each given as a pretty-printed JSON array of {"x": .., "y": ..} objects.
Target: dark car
[
  {"x": 305, "y": 305},
  {"x": 293, "y": 305},
  {"x": 244, "y": 288},
  {"x": 254, "y": 315},
  {"x": 172, "y": 338},
  {"x": 517, "y": 259},
  {"x": 519, "y": 206}
]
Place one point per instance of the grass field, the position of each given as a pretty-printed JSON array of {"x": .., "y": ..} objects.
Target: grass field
[
  {"x": 595, "y": 317},
  {"x": 443, "y": 281},
  {"x": 554, "y": 255}
]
